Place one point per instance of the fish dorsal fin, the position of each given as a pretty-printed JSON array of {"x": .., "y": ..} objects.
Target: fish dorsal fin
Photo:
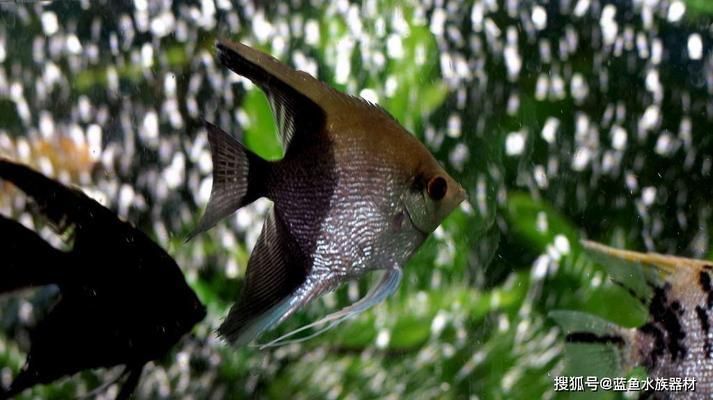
[
  {"x": 386, "y": 287},
  {"x": 275, "y": 270},
  {"x": 62, "y": 206},
  {"x": 664, "y": 263},
  {"x": 294, "y": 96},
  {"x": 641, "y": 273}
]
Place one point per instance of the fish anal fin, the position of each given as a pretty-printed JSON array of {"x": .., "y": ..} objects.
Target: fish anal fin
[
  {"x": 131, "y": 383},
  {"x": 386, "y": 286},
  {"x": 594, "y": 346},
  {"x": 238, "y": 178},
  {"x": 275, "y": 270},
  {"x": 293, "y": 95}
]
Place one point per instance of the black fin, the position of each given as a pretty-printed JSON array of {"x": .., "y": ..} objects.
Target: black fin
[
  {"x": 26, "y": 378},
  {"x": 238, "y": 178},
  {"x": 61, "y": 205},
  {"x": 276, "y": 268},
  {"x": 28, "y": 260},
  {"x": 131, "y": 382},
  {"x": 293, "y": 95}
]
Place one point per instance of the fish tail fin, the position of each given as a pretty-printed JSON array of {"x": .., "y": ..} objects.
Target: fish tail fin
[
  {"x": 594, "y": 346},
  {"x": 28, "y": 260},
  {"x": 238, "y": 178}
]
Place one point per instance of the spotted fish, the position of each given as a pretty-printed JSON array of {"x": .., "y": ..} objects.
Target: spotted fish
[
  {"x": 355, "y": 192},
  {"x": 677, "y": 339}
]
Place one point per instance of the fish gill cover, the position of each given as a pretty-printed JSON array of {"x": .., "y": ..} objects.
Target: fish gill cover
[{"x": 562, "y": 119}]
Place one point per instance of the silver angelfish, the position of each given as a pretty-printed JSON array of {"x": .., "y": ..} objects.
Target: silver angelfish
[{"x": 355, "y": 192}]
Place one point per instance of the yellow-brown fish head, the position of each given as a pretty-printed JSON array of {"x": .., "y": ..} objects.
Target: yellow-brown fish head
[{"x": 432, "y": 195}]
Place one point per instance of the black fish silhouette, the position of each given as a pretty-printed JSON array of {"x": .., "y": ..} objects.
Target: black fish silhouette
[
  {"x": 355, "y": 192},
  {"x": 123, "y": 300}
]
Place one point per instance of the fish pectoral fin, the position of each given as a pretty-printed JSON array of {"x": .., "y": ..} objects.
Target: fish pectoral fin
[
  {"x": 275, "y": 270},
  {"x": 238, "y": 175},
  {"x": 291, "y": 93},
  {"x": 386, "y": 287}
]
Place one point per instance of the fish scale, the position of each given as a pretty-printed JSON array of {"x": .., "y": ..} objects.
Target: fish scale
[
  {"x": 689, "y": 359},
  {"x": 355, "y": 192}
]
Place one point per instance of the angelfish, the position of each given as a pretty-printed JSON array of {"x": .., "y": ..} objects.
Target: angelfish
[
  {"x": 355, "y": 192},
  {"x": 675, "y": 342},
  {"x": 122, "y": 300}
]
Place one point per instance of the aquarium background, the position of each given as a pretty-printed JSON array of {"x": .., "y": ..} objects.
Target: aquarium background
[{"x": 563, "y": 119}]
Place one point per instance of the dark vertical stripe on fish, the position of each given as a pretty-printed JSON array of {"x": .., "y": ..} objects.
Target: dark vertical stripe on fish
[
  {"x": 668, "y": 315},
  {"x": 705, "y": 328},
  {"x": 704, "y": 279},
  {"x": 659, "y": 346}
]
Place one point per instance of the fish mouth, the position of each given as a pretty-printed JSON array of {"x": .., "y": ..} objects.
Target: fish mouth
[{"x": 461, "y": 195}]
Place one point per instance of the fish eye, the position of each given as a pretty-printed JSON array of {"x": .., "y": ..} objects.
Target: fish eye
[{"x": 437, "y": 188}]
